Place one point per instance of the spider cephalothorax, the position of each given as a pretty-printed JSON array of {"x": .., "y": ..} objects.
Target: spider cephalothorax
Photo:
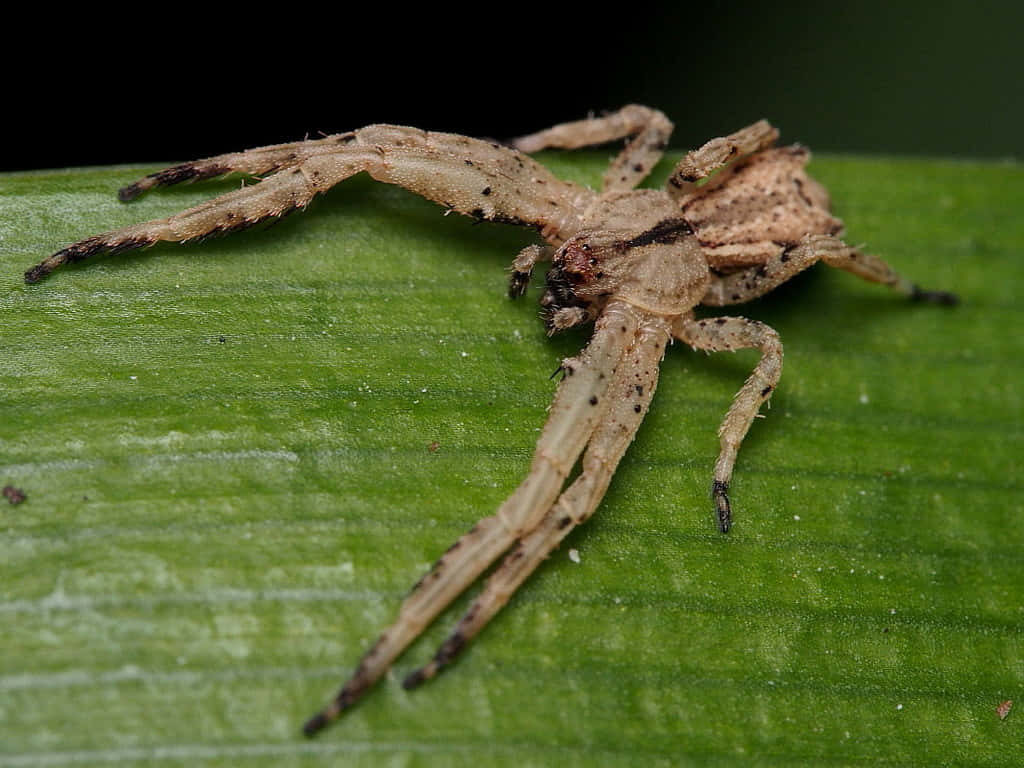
[
  {"x": 736, "y": 218},
  {"x": 633, "y": 245}
]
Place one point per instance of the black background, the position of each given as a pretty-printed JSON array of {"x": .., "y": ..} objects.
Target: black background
[{"x": 937, "y": 78}]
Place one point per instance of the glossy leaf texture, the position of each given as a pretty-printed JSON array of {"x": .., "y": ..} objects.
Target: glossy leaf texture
[{"x": 239, "y": 455}]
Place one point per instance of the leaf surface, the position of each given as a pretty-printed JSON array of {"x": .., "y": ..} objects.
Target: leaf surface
[{"x": 239, "y": 455}]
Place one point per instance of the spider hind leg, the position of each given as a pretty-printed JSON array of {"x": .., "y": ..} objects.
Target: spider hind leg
[{"x": 782, "y": 261}]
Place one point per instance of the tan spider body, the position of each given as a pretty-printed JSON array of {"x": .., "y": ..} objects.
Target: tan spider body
[{"x": 736, "y": 218}]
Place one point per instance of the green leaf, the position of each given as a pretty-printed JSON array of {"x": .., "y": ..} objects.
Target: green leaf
[{"x": 239, "y": 455}]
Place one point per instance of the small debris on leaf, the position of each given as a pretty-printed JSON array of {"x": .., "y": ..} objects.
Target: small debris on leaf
[
  {"x": 433, "y": 447},
  {"x": 1004, "y": 709},
  {"x": 14, "y": 495}
]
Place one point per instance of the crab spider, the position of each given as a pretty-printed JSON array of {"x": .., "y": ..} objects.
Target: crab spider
[{"x": 736, "y": 218}]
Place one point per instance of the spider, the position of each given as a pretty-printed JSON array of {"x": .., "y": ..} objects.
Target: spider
[{"x": 735, "y": 219}]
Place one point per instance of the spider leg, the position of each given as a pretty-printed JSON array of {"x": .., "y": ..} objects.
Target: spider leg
[
  {"x": 872, "y": 268},
  {"x": 783, "y": 262},
  {"x": 630, "y": 395},
  {"x": 725, "y": 334},
  {"x": 649, "y": 129},
  {"x": 476, "y": 178},
  {"x": 243, "y": 208},
  {"x": 580, "y": 405},
  {"x": 716, "y": 154},
  {"x": 256, "y": 162}
]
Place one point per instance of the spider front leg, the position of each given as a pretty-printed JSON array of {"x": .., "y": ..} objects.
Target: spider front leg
[
  {"x": 580, "y": 405},
  {"x": 253, "y": 162},
  {"x": 234, "y": 211},
  {"x": 629, "y": 396},
  {"x": 476, "y": 178},
  {"x": 721, "y": 334}
]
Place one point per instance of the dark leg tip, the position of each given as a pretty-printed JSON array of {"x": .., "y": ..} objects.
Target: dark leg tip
[
  {"x": 934, "y": 297},
  {"x": 37, "y": 273},
  {"x": 129, "y": 193},
  {"x": 314, "y": 725},
  {"x": 414, "y": 680},
  {"x": 720, "y": 494}
]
